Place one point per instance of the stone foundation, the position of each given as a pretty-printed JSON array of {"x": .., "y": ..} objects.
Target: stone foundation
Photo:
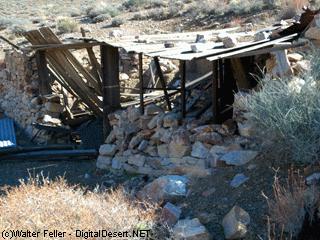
[{"x": 160, "y": 143}]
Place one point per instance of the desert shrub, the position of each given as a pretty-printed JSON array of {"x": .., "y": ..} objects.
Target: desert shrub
[
  {"x": 41, "y": 204},
  {"x": 220, "y": 8},
  {"x": 291, "y": 204},
  {"x": 67, "y": 25},
  {"x": 147, "y": 4},
  {"x": 4, "y": 23},
  {"x": 101, "y": 18},
  {"x": 102, "y": 8},
  {"x": 287, "y": 114},
  {"x": 117, "y": 22}
]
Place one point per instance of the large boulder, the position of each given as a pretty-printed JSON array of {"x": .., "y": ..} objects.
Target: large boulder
[
  {"x": 165, "y": 188},
  {"x": 190, "y": 229},
  {"x": 235, "y": 223}
]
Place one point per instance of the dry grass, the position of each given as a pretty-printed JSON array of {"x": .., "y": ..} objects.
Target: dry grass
[
  {"x": 39, "y": 205},
  {"x": 292, "y": 202}
]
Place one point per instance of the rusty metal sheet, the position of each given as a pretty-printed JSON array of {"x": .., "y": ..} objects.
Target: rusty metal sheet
[{"x": 7, "y": 133}]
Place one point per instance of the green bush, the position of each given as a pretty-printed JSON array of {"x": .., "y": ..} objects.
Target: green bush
[
  {"x": 102, "y": 9},
  {"x": 67, "y": 25},
  {"x": 287, "y": 112}
]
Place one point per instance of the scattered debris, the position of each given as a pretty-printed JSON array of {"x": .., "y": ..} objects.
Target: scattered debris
[
  {"x": 165, "y": 188},
  {"x": 190, "y": 229},
  {"x": 238, "y": 180},
  {"x": 235, "y": 223}
]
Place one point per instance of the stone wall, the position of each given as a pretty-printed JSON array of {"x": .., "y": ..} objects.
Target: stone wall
[
  {"x": 19, "y": 94},
  {"x": 160, "y": 143}
]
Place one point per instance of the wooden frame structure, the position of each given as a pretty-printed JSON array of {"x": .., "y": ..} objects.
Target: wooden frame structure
[{"x": 55, "y": 59}]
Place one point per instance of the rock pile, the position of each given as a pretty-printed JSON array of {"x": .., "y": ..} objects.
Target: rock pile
[{"x": 159, "y": 143}]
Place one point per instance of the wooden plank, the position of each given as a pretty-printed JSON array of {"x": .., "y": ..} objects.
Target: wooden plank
[
  {"x": 216, "y": 79},
  {"x": 9, "y": 42},
  {"x": 52, "y": 38},
  {"x": 276, "y": 47},
  {"x": 64, "y": 46},
  {"x": 252, "y": 48},
  {"x": 61, "y": 64},
  {"x": 239, "y": 74},
  {"x": 283, "y": 67},
  {"x": 141, "y": 83},
  {"x": 183, "y": 87},
  {"x": 43, "y": 72},
  {"x": 162, "y": 81},
  {"x": 96, "y": 67},
  {"x": 110, "y": 82}
]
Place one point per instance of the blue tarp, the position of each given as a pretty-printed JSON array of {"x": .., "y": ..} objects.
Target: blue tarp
[{"x": 7, "y": 133}]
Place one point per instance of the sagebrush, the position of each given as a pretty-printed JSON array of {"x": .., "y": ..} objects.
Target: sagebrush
[
  {"x": 41, "y": 204},
  {"x": 286, "y": 113}
]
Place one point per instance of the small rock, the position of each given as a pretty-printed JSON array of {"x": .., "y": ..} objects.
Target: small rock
[
  {"x": 108, "y": 150},
  {"x": 116, "y": 33},
  {"x": 190, "y": 229},
  {"x": 246, "y": 129},
  {"x": 260, "y": 36},
  {"x": 238, "y": 180},
  {"x": 111, "y": 137},
  {"x": 133, "y": 114},
  {"x": 235, "y": 223},
  {"x": 295, "y": 57},
  {"x": 239, "y": 158},
  {"x": 103, "y": 162},
  {"x": 209, "y": 138},
  {"x": 154, "y": 121},
  {"x": 152, "y": 151},
  {"x": 313, "y": 33},
  {"x": 137, "y": 160},
  {"x": 51, "y": 120},
  {"x": 165, "y": 188},
  {"x": 152, "y": 109},
  {"x": 143, "y": 145},
  {"x": 178, "y": 151},
  {"x": 171, "y": 120},
  {"x": 135, "y": 141},
  {"x": 302, "y": 66},
  {"x": 163, "y": 150},
  {"x": 170, "y": 214},
  {"x": 116, "y": 163},
  {"x": 199, "y": 150},
  {"x": 229, "y": 41},
  {"x": 124, "y": 77},
  {"x": 313, "y": 178}
]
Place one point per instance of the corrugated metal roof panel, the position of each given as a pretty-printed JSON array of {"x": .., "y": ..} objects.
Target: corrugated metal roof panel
[{"x": 7, "y": 133}]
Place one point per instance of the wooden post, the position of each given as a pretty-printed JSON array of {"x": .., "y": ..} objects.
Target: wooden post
[
  {"x": 183, "y": 87},
  {"x": 141, "y": 83},
  {"x": 43, "y": 73},
  {"x": 163, "y": 82},
  {"x": 215, "y": 87},
  {"x": 110, "y": 82}
]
